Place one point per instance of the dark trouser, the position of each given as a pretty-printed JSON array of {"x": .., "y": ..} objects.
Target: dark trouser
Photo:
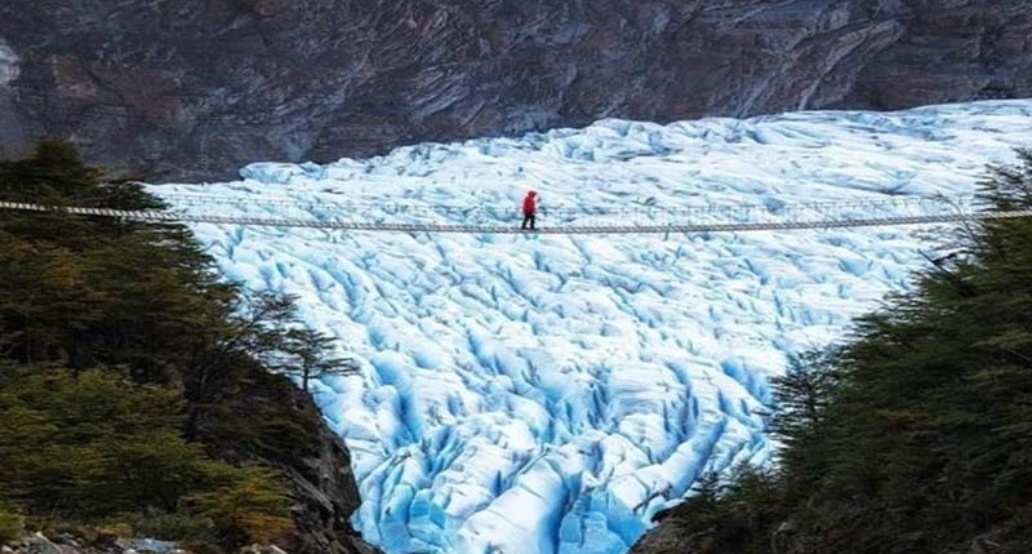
[{"x": 528, "y": 218}]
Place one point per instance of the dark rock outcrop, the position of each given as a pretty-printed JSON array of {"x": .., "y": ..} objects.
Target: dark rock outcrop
[
  {"x": 295, "y": 440},
  {"x": 192, "y": 89},
  {"x": 327, "y": 495},
  {"x": 663, "y": 539}
]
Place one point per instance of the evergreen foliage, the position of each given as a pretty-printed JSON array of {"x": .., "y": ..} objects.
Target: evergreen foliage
[
  {"x": 307, "y": 353},
  {"x": 11, "y": 525},
  {"x": 915, "y": 436},
  {"x": 134, "y": 383}
]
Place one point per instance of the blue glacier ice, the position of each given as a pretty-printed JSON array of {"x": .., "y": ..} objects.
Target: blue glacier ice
[{"x": 548, "y": 394}]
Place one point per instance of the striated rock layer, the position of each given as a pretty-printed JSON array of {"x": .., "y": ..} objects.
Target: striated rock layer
[{"x": 193, "y": 89}]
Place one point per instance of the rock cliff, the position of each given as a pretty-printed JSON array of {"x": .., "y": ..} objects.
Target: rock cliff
[
  {"x": 318, "y": 471},
  {"x": 192, "y": 89},
  {"x": 327, "y": 495}
]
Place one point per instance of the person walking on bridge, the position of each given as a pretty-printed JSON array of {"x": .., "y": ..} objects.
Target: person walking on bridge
[{"x": 529, "y": 210}]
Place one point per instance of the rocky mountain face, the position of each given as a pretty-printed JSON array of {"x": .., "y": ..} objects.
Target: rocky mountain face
[
  {"x": 192, "y": 89},
  {"x": 326, "y": 494},
  {"x": 320, "y": 479}
]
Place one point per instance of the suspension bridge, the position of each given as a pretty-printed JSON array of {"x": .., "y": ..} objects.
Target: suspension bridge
[{"x": 641, "y": 218}]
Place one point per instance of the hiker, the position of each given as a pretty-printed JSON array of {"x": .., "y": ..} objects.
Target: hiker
[{"x": 529, "y": 209}]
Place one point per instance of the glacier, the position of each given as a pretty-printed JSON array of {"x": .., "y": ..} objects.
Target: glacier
[{"x": 548, "y": 394}]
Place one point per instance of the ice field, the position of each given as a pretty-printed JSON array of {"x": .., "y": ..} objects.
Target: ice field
[{"x": 525, "y": 394}]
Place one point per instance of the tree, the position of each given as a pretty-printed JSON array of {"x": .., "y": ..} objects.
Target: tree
[
  {"x": 95, "y": 444},
  {"x": 248, "y": 509},
  {"x": 803, "y": 394},
  {"x": 308, "y": 353}
]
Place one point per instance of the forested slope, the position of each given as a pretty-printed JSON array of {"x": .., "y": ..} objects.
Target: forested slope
[{"x": 134, "y": 391}]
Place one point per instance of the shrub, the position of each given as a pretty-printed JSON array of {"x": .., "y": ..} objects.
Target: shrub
[
  {"x": 175, "y": 526},
  {"x": 12, "y": 526},
  {"x": 251, "y": 509}
]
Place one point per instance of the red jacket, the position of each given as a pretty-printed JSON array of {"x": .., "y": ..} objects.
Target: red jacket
[{"x": 529, "y": 205}]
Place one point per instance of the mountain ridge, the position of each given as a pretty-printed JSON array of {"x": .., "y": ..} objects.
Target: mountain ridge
[{"x": 193, "y": 90}]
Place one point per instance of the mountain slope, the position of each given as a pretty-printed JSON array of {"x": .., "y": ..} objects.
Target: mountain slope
[
  {"x": 550, "y": 393},
  {"x": 317, "y": 79}
]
